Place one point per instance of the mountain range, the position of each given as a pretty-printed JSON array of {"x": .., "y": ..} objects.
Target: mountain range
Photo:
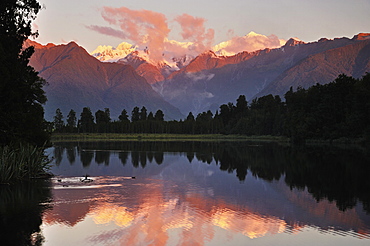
[
  {"x": 128, "y": 78},
  {"x": 76, "y": 80},
  {"x": 210, "y": 80}
]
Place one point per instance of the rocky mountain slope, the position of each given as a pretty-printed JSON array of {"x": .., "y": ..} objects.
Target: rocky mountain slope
[
  {"x": 211, "y": 80},
  {"x": 76, "y": 80}
]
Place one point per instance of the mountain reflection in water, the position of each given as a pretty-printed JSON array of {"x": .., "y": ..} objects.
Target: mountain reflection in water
[{"x": 200, "y": 193}]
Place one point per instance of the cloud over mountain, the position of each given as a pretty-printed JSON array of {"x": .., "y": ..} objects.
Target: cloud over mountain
[
  {"x": 143, "y": 27},
  {"x": 193, "y": 30},
  {"x": 150, "y": 31},
  {"x": 108, "y": 31}
]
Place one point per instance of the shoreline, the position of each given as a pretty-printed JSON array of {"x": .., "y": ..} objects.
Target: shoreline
[
  {"x": 162, "y": 137},
  {"x": 71, "y": 137}
]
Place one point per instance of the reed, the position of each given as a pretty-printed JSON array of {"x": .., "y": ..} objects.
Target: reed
[{"x": 22, "y": 161}]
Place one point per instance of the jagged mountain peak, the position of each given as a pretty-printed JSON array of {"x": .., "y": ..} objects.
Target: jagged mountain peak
[
  {"x": 174, "y": 52},
  {"x": 294, "y": 42},
  {"x": 253, "y": 34},
  {"x": 209, "y": 53},
  {"x": 76, "y": 80},
  {"x": 72, "y": 44},
  {"x": 29, "y": 42},
  {"x": 361, "y": 36},
  {"x": 251, "y": 42},
  {"x": 108, "y": 53},
  {"x": 209, "y": 82}
]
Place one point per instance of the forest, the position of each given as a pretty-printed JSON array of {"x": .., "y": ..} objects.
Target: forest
[{"x": 339, "y": 109}]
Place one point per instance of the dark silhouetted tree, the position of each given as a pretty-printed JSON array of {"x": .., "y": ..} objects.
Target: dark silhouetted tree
[
  {"x": 190, "y": 117},
  {"x": 135, "y": 114},
  {"x": 21, "y": 92},
  {"x": 86, "y": 122},
  {"x": 71, "y": 120},
  {"x": 159, "y": 115},
  {"x": 102, "y": 119},
  {"x": 241, "y": 108},
  {"x": 58, "y": 120},
  {"x": 123, "y": 116},
  {"x": 150, "y": 116},
  {"x": 143, "y": 113}
]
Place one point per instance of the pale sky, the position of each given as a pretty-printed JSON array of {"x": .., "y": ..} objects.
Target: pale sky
[{"x": 309, "y": 20}]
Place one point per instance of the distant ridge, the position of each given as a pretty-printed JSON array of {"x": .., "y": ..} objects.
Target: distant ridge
[
  {"x": 210, "y": 80},
  {"x": 76, "y": 80}
]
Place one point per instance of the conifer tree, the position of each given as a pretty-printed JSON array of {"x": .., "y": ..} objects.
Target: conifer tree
[
  {"x": 159, "y": 116},
  {"x": 58, "y": 120},
  {"x": 21, "y": 93},
  {"x": 150, "y": 116},
  {"x": 71, "y": 120},
  {"x": 123, "y": 116},
  {"x": 143, "y": 114},
  {"x": 86, "y": 122},
  {"x": 135, "y": 114}
]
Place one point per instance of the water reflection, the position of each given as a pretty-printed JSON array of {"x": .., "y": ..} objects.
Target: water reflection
[
  {"x": 21, "y": 212},
  {"x": 145, "y": 215},
  {"x": 199, "y": 193},
  {"x": 342, "y": 173}
]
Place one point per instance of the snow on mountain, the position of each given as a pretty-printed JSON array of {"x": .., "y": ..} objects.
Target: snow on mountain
[
  {"x": 179, "y": 54},
  {"x": 76, "y": 80},
  {"x": 176, "y": 54},
  {"x": 107, "y": 53},
  {"x": 250, "y": 42},
  {"x": 293, "y": 42}
]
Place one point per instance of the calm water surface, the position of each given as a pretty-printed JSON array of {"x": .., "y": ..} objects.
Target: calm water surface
[{"x": 194, "y": 193}]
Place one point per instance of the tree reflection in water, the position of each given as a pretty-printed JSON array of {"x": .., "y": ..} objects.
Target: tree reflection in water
[
  {"x": 339, "y": 175},
  {"x": 21, "y": 212}
]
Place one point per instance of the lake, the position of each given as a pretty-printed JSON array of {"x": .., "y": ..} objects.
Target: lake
[{"x": 192, "y": 193}]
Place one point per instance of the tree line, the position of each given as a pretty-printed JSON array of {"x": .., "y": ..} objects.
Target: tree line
[{"x": 338, "y": 109}]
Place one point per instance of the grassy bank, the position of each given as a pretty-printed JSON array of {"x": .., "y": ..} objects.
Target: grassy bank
[
  {"x": 22, "y": 161},
  {"x": 67, "y": 137}
]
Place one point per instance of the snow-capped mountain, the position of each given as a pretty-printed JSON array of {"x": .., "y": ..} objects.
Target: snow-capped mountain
[
  {"x": 139, "y": 58},
  {"x": 211, "y": 80},
  {"x": 76, "y": 80},
  {"x": 191, "y": 82},
  {"x": 250, "y": 42},
  {"x": 177, "y": 55},
  {"x": 106, "y": 53},
  {"x": 174, "y": 55}
]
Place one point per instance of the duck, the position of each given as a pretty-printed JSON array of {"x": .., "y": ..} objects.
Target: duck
[{"x": 86, "y": 179}]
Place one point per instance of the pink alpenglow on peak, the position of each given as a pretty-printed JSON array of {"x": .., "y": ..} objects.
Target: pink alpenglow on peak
[
  {"x": 150, "y": 31},
  {"x": 250, "y": 42}
]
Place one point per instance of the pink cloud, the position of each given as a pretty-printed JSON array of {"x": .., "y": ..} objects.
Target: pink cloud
[
  {"x": 108, "y": 31},
  {"x": 144, "y": 27},
  {"x": 194, "y": 31},
  {"x": 150, "y": 30}
]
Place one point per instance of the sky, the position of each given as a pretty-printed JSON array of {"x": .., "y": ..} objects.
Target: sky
[{"x": 204, "y": 22}]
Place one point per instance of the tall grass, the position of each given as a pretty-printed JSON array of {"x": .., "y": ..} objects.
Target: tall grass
[{"x": 22, "y": 161}]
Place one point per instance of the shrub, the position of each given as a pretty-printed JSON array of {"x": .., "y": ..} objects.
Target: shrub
[{"x": 22, "y": 161}]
